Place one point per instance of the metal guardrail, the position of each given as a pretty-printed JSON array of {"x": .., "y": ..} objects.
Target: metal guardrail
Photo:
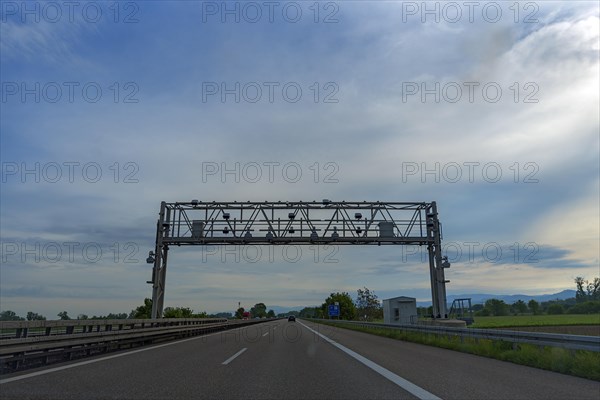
[
  {"x": 574, "y": 342},
  {"x": 23, "y": 329},
  {"x": 26, "y": 344}
]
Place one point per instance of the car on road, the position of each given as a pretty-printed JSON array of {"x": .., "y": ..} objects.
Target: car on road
[{"x": 291, "y": 318}]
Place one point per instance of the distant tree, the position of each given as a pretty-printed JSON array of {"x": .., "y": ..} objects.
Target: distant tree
[
  {"x": 63, "y": 315},
  {"x": 202, "y": 314},
  {"x": 117, "y": 316},
  {"x": 142, "y": 312},
  {"x": 588, "y": 307},
  {"x": 496, "y": 307},
  {"x": 580, "y": 294},
  {"x": 271, "y": 314},
  {"x": 555, "y": 309},
  {"x": 112, "y": 316},
  {"x": 519, "y": 307},
  {"x": 534, "y": 306},
  {"x": 347, "y": 307},
  {"x": 319, "y": 313},
  {"x": 484, "y": 312},
  {"x": 178, "y": 312},
  {"x": 259, "y": 310},
  {"x": 9, "y": 315},
  {"x": 310, "y": 312},
  {"x": 82, "y": 316},
  {"x": 593, "y": 289},
  {"x": 239, "y": 314},
  {"x": 368, "y": 305},
  {"x": 170, "y": 312},
  {"x": 31, "y": 316},
  {"x": 222, "y": 315},
  {"x": 475, "y": 307},
  {"x": 586, "y": 290}
]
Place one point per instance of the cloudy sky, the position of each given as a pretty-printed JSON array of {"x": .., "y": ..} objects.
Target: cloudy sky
[{"x": 107, "y": 109}]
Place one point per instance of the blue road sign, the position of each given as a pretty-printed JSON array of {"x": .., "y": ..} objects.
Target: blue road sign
[{"x": 334, "y": 310}]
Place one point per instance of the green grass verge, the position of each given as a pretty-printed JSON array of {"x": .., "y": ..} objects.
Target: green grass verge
[
  {"x": 581, "y": 363},
  {"x": 536, "y": 320}
]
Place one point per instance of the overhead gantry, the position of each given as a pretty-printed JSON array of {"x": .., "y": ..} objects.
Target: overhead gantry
[{"x": 326, "y": 222}]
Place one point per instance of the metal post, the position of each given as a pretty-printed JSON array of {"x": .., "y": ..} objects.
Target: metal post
[
  {"x": 430, "y": 223},
  {"x": 443, "y": 306},
  {"x": 440, "y": 276},
  {"x": 159, "y": 272},
  {"x": 433, "y": 280}
]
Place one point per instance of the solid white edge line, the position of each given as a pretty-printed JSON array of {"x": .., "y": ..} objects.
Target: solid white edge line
[
  {"x": 398, "y": 380},
  {"x": 233, "y": 357},
  {"x": 78, "y": 364}
]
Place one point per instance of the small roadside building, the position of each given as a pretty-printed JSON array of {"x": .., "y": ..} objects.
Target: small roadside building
[{"x": 400, "y": 310}]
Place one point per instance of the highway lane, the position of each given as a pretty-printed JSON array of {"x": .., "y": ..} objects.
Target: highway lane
[
  {"x": 286, "y": 360},
  {"x": 294, "y": 363},
  {"x": 281, "y": 360}
]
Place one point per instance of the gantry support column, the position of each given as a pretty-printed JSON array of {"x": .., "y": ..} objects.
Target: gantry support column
[
  {"x": 436, "y": 265},
  {"x": 159, "y": 272},
  {"x": 433, "y": 280}
]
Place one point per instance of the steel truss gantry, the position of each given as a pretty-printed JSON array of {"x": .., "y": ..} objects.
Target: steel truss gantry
[{"x": 300, "y": 223}]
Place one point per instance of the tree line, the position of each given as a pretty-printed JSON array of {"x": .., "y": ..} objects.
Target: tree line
[
  {"x": 144, "y": 311},
  {"x": 9, "y": 315},
  {"x": 258, "y": 311},
  {"x": 366, "y": 307}
]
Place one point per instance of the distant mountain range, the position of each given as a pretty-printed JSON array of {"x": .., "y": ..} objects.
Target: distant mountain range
[{"x": 476, "y": 298}]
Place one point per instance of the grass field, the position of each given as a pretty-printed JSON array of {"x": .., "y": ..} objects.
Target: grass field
[
  {"x": 585, "y": 364},
  {"x": 536, "y": 320}
]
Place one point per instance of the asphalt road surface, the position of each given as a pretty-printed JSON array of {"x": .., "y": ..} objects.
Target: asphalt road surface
[{"x": 292, "y": 360}]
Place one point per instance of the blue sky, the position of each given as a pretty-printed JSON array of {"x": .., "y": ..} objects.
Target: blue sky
[{"x": 115, "y": 112}]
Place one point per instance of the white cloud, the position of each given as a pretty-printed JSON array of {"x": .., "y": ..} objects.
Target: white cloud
[
  {"x": 43, "y": 41},
  {"x": 368, "y": 134}
]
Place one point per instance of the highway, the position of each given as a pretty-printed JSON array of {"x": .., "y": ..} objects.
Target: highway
[{"x": 292, "y": 360}]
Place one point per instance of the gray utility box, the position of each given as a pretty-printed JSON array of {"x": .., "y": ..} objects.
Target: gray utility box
[
  {"x": 197, "y": 228},
  {"x": 386, "y": 229},
  {"x": 400, "y": 310}
]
